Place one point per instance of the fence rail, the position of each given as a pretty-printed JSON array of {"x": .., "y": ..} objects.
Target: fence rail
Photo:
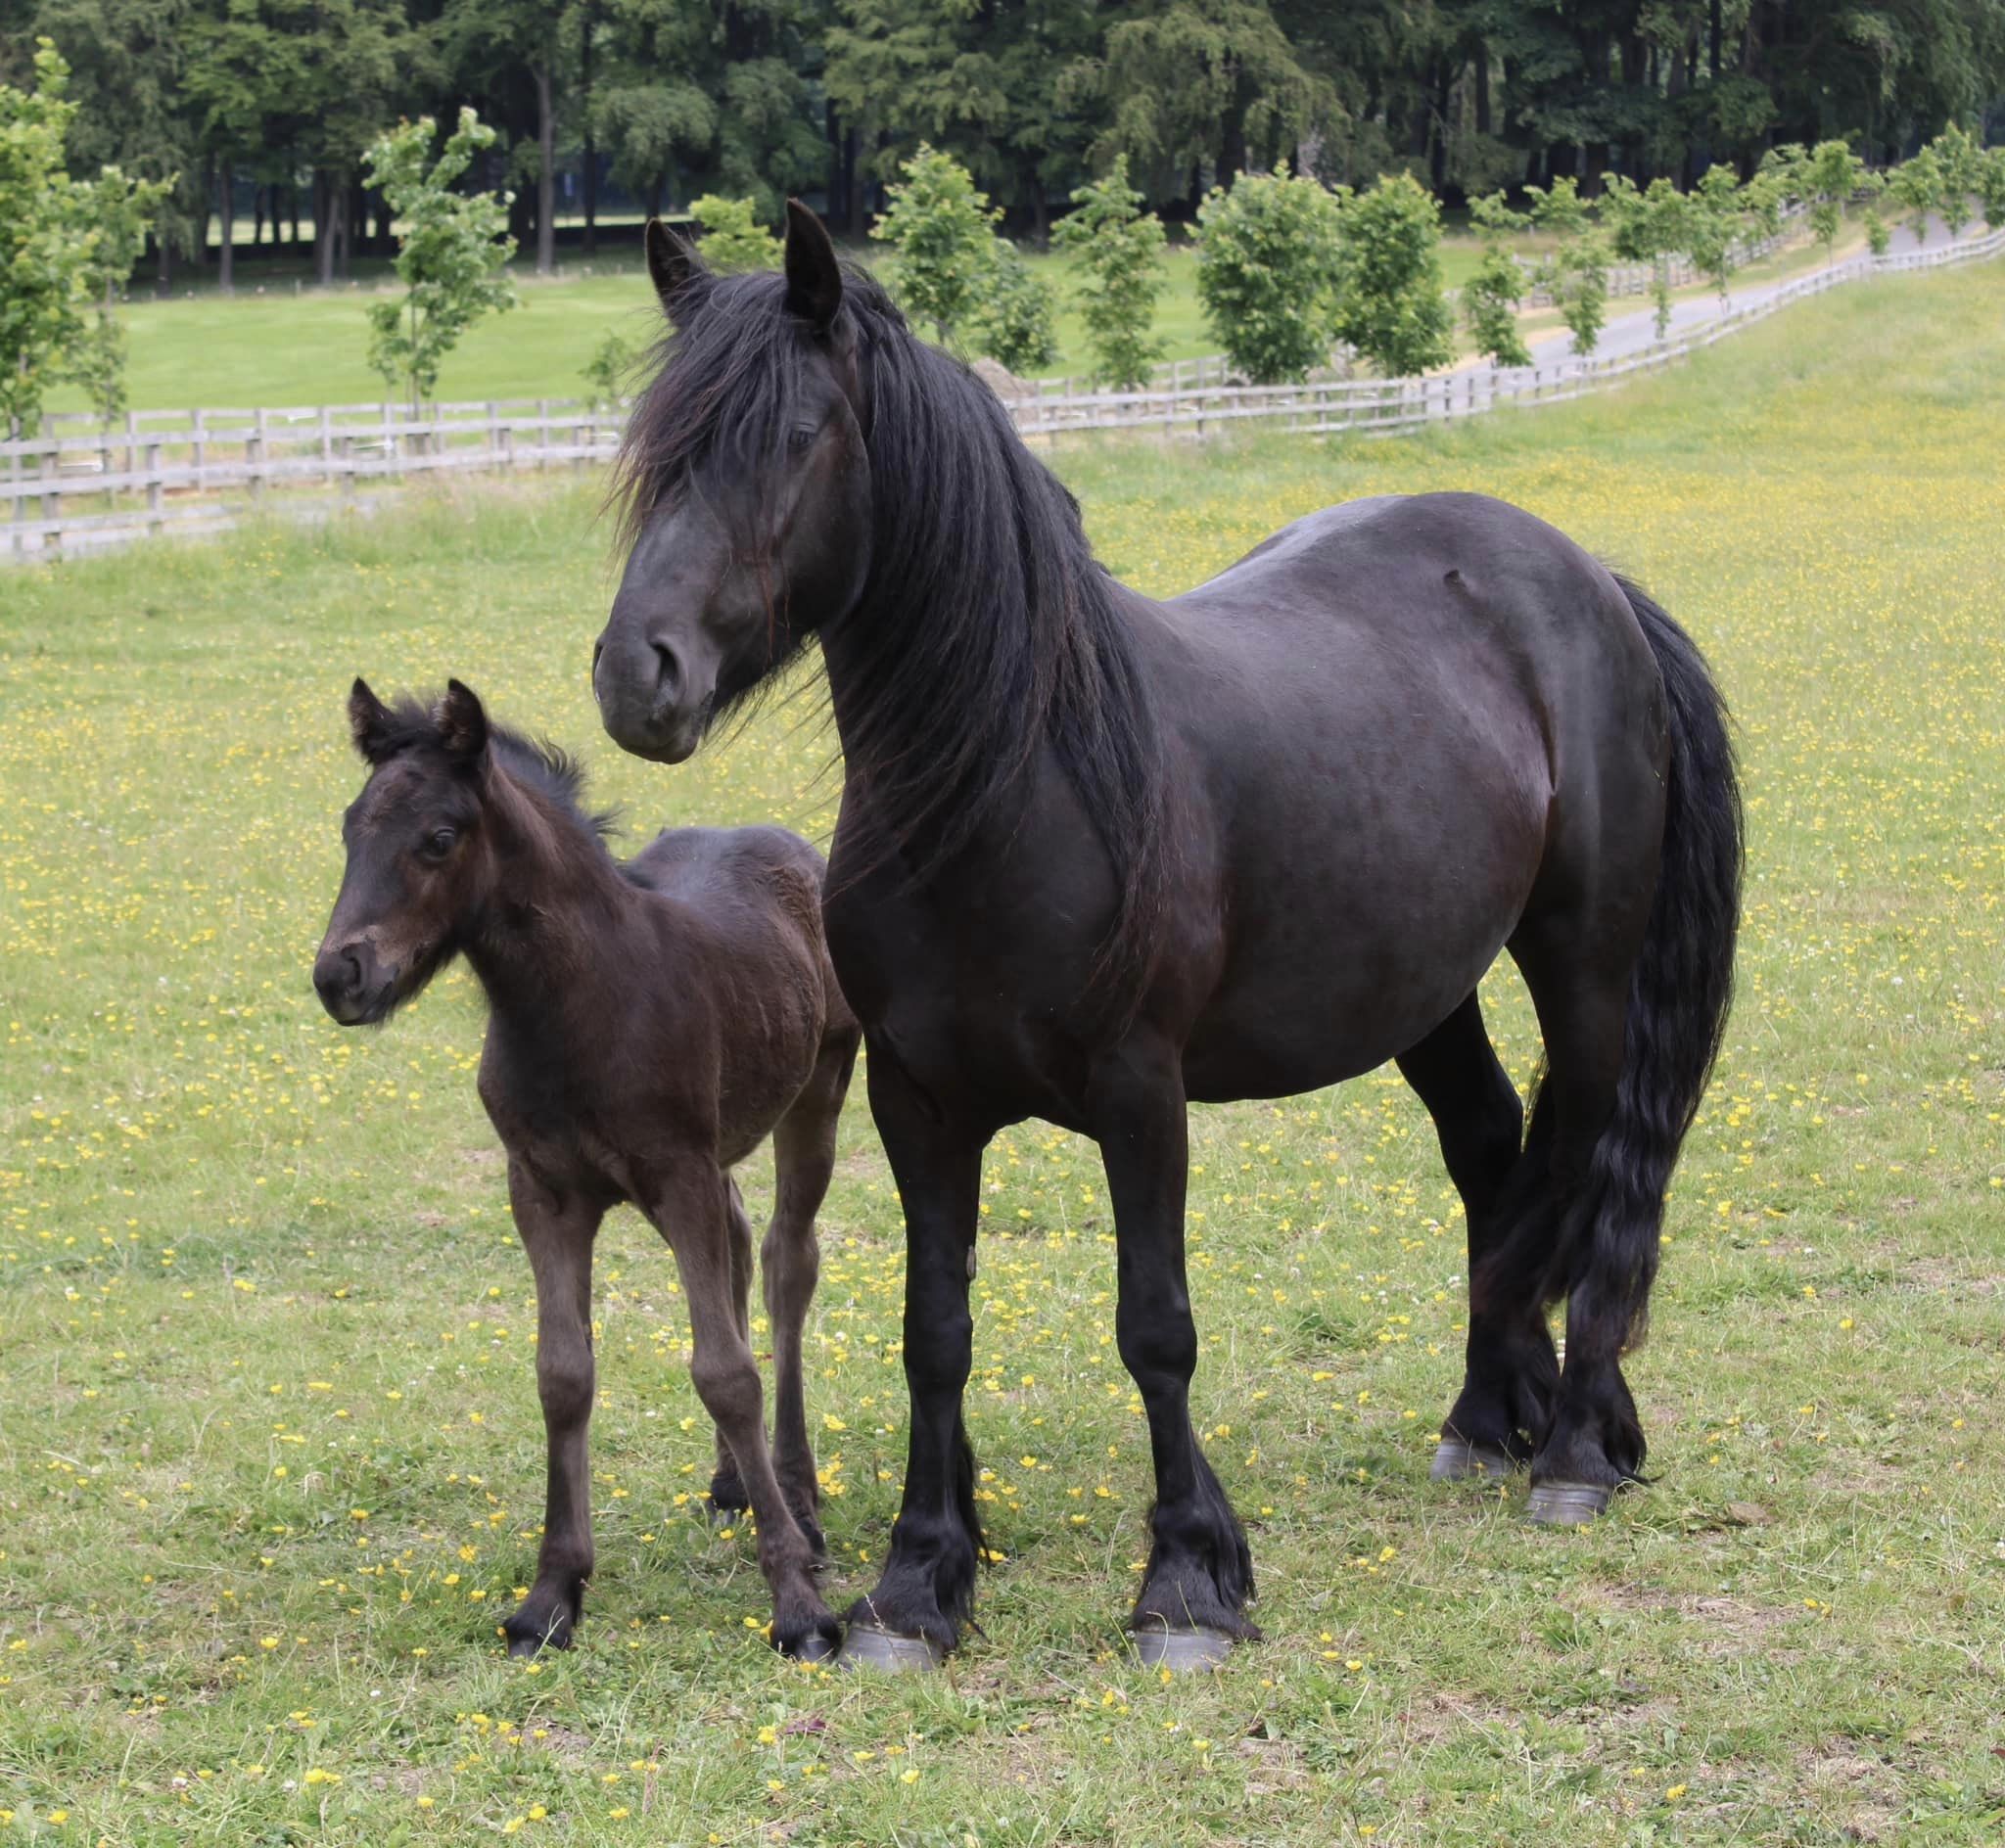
[{"x": 163, "y": 472}]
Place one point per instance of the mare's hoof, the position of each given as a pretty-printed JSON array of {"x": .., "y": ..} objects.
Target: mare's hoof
[
  {"x": 727, "y": 1500},
  {"x": 1567, "y": 1503},
  {"x": 1458, "y": 1461},
  {"x": 870, "y": 1647},
  {"x": 1181, "y": 1651}
]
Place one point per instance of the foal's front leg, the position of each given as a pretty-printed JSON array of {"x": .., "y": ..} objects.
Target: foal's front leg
[
  {"x": 693, "y": 1214},
  {"x": 1201, "y": 1574},
  {"x": 557, "y": 1231}
]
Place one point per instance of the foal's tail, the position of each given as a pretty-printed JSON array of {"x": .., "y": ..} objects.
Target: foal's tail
[{"x": 1677, "y": 999}]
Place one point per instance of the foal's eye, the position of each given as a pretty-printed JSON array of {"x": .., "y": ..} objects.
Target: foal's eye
[
  {"x": 799, "y": 439},
  {"x": 437, "y": 844}
]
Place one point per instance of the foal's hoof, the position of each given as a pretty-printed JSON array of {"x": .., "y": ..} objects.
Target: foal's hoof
[
  {"x": 867, "y": 1645},
  {"x": 1567, "y": 1503},
  {"x": 1181, "y": 1651},
  {"x": 1457, "y": 1460},
  {"x": 523, "y": 1643}
]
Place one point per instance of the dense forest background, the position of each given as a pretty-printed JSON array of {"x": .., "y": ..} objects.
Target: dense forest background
[{"x": 261, "y": 109}]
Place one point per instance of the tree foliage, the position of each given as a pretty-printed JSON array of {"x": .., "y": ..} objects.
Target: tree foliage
[
  {"x": 941, "y": 231},
  {"x": 451, "y": 261},
  {"x": 1116, "y": 249},
  {"x": 1577, "y": 272},
  {"x": 1018, "y": 322},
  {"x": 66, "y": 246},
  {"x": 1490, "y": 296},
  {"x": 1390, "y": 304},
  {"x": 733, "y": 239},
  {"x": 1267, "y": 265}
]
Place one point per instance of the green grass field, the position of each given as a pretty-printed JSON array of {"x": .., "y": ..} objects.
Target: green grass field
[{"x": 270, "y": 1459}]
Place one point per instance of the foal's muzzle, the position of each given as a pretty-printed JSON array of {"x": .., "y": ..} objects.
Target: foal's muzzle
[{"x": 353, "y": 985}]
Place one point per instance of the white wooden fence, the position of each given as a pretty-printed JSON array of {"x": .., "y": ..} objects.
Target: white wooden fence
[{"x": 164, "y": 472}]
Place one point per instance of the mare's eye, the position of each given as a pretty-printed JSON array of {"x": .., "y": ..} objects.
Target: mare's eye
[
  {"x": 799, "y": 439},
  {"x": 437, "y": 844}
]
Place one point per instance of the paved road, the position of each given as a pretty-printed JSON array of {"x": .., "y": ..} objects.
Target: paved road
[{"x": 1634, "y": 326}]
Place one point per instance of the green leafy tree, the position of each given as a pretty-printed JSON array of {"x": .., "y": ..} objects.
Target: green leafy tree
[
  {"x": 1962, "y": 164},
  {"x": 1713, "y": 217},
  {"x": 66, "y": 246},
  {"x": 1648, "y": 225},
  {"x": 453, "y": 256},
  {"x": 1390, "y": 303},
  {"x": 1830, "y": 175},
  {"x": 942, "y": 235},
  {"x": 1017, "y": 323},
  {"x": 1491, "y": 296},
  {"x": 1577, "y": 272},
  {"x": 1992, "y": 188},
  {"x": 1879, "y": 234},
  {"x": 1762, "y": 200},
  {"x": 733, "y": 239},
  {"x": 1117, "y": 251},
  {"x": 610, "y": 369},
  {"x": 1267, "y": 265},
  {"x": 1917, "y": 187}
]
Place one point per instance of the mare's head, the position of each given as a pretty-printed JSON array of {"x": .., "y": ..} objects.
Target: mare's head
[
  {"x": 420, "y": 864},
  {"x": 746, "y": 487}
]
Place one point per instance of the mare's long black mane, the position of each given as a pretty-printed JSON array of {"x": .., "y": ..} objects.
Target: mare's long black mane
[
  {"x": 549, "y": 770},
  {"x": 986, "y": 630}
]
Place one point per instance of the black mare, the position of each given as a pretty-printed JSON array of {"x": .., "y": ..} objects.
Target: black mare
[{"x": 1099, "y": 856}]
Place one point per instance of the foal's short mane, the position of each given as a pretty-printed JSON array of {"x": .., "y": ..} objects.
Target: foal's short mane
[
  {"x": 552, "y": 772},
  {"x": 986, "y": 630}
]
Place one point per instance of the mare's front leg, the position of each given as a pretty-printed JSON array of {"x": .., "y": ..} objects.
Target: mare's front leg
[
  {"x": 557, "y": 1231},
  {"x": 726, "y": 1487},
  {"x": 1201, "y": 1574},
  {"x": 914, "y": 1615},
  {"x": 693, "y": 1213}
]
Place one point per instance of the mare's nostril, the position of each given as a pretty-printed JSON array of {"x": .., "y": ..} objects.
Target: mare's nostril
[{"x": 668, "y": 672}]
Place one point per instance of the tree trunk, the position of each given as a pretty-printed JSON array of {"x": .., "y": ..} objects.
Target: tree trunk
[
  {"x": 165, "y": 285},
  {"x": 546, "y": 174},
  {"x": 1482, "y": 89},
  {"x": 256, "y": 215},
  {"x": 862, "y": 143},
  {"x": 590, "y": 178},
  {"x": 323, "y": 226},
  {"x": 226, "y": 230},
  {"x": 1716, "y": 26},
  {"x": 831, "y": 131},
  {"x": 293, "y": 201}
]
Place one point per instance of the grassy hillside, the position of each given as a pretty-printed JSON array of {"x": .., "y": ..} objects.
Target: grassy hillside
[{"x": 271, "y": 1458}]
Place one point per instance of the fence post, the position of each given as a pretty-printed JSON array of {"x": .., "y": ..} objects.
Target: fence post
[
  {"x": 326, "y": 447},
  {"x": 153, "y": 489},
  {"x": 199, "y": 435},
  {"x": 257, "y": 447},
  {"x": 542, "y": 433}
]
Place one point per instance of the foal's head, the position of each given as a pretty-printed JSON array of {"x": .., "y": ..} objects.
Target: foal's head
[
  {"x": 420, "y": 859},
  {"x": 747, "y": 487}
]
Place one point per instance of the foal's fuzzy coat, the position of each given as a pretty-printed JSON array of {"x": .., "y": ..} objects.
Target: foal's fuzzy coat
[{"x": 651, "y": 1024}]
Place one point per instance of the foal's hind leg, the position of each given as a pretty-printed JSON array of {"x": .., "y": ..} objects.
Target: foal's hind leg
[
  {"x": 1511, "y": 1365},
  {"x": 726, "y": 1487},
  {"x": 804, "y": 1161},
  {"x": 692, "y": 1212}
]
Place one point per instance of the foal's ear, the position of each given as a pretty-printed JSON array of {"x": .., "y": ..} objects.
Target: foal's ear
[
  {"x": 814, "y": 276},
  {"x": 679, "y": 273},
  {"x": 369, "y": 724},
  {"x": 462, "y": 722}
]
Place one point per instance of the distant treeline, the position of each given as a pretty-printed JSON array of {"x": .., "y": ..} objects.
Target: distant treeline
[{"x": 261, "y": 109}]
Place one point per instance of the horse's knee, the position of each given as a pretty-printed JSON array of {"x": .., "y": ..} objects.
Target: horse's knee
[
  {"x": 564, "y": 1383},
  {"x": 727, "y": 1384}
]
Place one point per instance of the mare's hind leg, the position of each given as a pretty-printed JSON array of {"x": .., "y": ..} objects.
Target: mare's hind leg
[
  {"x": 726, "y": 1487},
  {"x": 1201, "y": 1574},
  {"x": 1510, "y": 1366},
  {"x": 557, "y": 1231},
  {"x": 804, "y": 1162},
  {"x": 1579, "y": 970}
]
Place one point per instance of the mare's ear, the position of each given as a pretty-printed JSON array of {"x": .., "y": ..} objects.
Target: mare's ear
[
  {"x": 368, "y": 722},
  {"x": 671, "y": 261},
  {"x": 462, "y": 722},
  {"x": 814, "y": 276}
]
